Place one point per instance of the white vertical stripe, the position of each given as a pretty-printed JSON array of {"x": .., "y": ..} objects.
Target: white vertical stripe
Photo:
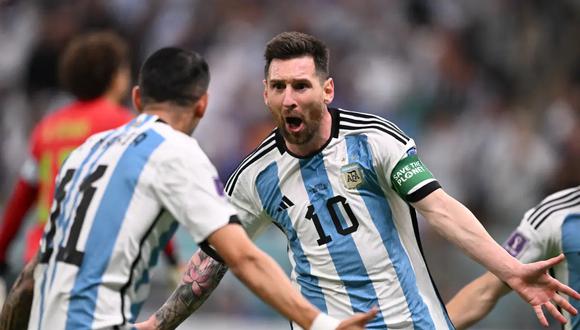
[{"x": 337, "y": 300}]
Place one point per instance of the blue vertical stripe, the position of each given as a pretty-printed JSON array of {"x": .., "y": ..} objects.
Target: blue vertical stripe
[
  {"x": 60, "y": 220},
  {"x": 104, "y": 145},
  {"x": 105, "y": 230},
  {"x": 343, "y": 250},
  {"x": 380, "y": 212},
  {"x": 268, "y": 186},
  {"x": 63, "y": 220},
  {"x": 571, "y": 248}
]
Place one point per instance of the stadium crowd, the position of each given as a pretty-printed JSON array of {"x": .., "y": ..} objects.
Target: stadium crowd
[{"x": 489, "y": 89}]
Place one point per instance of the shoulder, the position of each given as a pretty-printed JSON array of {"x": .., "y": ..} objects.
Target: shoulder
[
  {"x": 375, "y": 127},
  {"x": 552, "y": 210},
  {"x": 253, "y": 162},
  {"x": 177, "y": 145}
]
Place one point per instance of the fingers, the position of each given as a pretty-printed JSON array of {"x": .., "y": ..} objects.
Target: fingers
[
  {"x": 563, "y": 303},
  {"x": 555, "y": 312},
  {"x": 372, "y": 313},
  {"x": 540, "y": 316},
  {"x": 364, "y": 318},
  {"x": 547, "y": 264},
  {"x": 568, "y": 291},
  {"x": 359, "y": 320}
]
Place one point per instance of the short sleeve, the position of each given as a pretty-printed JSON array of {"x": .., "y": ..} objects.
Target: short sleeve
[
  {"x": 525, "y": 243},
  {"x": 247, "y": 204},
  {"x": 189, "y": 188},
  {"x": 404, "y": 171}
]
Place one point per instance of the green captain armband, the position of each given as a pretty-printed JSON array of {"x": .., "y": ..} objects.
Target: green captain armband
[{"x": 409, "y": 175}]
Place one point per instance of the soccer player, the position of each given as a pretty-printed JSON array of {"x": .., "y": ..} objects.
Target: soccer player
[
  {"x": 120, "y": 197},
  {"x": 547, "y": 230},
  {"x": 95, "y": 70},
  {"x": 344, "y": 186}
]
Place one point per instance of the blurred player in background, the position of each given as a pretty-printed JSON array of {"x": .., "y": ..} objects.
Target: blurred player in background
[
  {"x": 120, "y": 197},
  {"x": 547, "y": 230},
  {"x": 95, "y": 70},
  {"x": 343, "y": 186}
]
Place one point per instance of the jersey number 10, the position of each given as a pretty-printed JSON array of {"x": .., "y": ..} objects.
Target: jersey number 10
[{"x": 330, "y": 205}]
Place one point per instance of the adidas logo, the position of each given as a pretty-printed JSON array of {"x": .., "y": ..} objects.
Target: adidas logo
[{"x": 284, "y": 204}]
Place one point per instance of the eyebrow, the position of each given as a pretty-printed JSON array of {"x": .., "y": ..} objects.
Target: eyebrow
[{"x": 300, "y": 80}]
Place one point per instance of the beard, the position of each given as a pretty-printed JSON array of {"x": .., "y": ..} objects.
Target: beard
[{"x": 310, "y": 130}]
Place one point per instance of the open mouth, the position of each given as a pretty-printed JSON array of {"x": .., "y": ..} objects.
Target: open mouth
[{"x": 294, "y": 124}]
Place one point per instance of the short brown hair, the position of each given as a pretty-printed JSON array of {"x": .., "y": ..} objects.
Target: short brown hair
[
  {"x": 289, "y": 45},
  {"x": 90, "y": 62}
]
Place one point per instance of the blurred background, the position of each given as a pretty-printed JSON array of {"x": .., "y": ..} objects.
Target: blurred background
[{"x": 489, "y": 90}]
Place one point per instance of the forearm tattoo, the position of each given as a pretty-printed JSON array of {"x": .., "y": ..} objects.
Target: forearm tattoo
[
  {"x": 18, "y": 303},
  {"x": 202, "y": 275}
]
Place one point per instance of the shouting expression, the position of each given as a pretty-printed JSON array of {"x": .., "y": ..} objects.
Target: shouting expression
[{"x": 297, "y": 97}]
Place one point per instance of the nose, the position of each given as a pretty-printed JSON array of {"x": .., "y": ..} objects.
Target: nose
[{"x": 288, "y": 101}]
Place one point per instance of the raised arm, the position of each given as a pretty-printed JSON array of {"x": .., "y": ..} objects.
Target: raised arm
[
  {"x": 458, "y": 225},
  {"x": 476, "y": 300},
  {"x": 16, "y": 309}
]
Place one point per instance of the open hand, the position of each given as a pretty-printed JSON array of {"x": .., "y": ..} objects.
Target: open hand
[{"x": 539, "y": 289}]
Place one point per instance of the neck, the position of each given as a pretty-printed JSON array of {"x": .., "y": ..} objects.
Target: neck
[
  {"x": 175, "y": 118},
  {"x": 316, "y": 143},
  {"x": 112, "y": 97}
]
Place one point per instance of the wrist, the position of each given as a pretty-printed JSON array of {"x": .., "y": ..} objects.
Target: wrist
[{"x": 324, "y": 322}]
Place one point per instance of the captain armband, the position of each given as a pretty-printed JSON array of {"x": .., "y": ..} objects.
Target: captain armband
[{"x": 412, "y": 180}]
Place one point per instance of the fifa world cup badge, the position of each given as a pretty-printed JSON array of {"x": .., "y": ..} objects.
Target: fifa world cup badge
[{"x": 352, "y": 176}]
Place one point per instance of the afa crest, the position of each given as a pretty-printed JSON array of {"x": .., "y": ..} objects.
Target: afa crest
[{"x": 352, "y": 176}]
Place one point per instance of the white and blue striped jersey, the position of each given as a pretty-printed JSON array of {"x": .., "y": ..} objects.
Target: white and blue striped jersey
[
  {"x": 119, "y": 199},
  {"x": 352, "y": 239},
  {"x": 547, "y": 230}
]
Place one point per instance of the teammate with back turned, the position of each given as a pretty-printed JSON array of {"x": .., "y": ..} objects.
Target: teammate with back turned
[
  {"x": 344, "y": 186},
  {"x": 94, "y": 68},
  {"x": 547, "y": 230},
  {"x": 121, "y": 195}
]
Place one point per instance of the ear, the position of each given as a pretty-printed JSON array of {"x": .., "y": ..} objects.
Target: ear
[
  {"x": 201, "y": 105},
  {"x": 136, "y": 97},
  {"x": 328, "y": 90},
  {"x": 266, "y": 93}
]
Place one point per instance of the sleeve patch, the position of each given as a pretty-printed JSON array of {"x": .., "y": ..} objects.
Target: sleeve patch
[
  {"x": 516, "y": 243},
  {"x": 408, "y": 174}
]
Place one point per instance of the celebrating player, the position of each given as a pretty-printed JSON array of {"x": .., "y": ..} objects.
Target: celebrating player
[
  {"x": 343, "y": 186},
  {"x": 547, "y": 230},
  {"x": 120, "y": 197}
]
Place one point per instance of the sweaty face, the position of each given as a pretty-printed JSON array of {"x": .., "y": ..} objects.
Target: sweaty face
[{"x": 297, "y": 98}]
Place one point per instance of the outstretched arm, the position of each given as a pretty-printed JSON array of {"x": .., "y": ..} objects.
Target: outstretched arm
[
  {"x": 201, "y": 277},
  {"x": 456, "y": 223},
  {"x": 261, "y": 275},
  {"x": 476, "y": 300},
  {"x": 16, "y": 309},
  {"x": 266, "y": 279}
]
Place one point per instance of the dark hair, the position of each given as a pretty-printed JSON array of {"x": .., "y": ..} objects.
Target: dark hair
[
  {"x": 289, "y": 45},
  {"x": 175, "y": 75},
  {"x": 90, "y": 62}
]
